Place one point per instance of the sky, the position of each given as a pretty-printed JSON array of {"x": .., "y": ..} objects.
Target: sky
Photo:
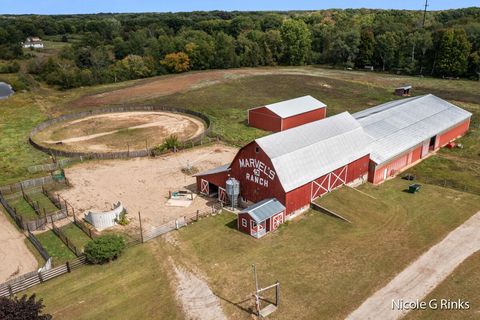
[{"x": 96, "y": 6}]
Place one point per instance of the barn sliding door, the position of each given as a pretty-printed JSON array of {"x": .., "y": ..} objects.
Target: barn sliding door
[{"x": 328, "y": 182}]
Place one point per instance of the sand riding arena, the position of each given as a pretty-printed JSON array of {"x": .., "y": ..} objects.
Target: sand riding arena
[
  {"x": 143, "y": 184},
  {"x": 132, "y": 130}
]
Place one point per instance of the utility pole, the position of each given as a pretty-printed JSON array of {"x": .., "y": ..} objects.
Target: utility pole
[{"x": 425, "y": 13}]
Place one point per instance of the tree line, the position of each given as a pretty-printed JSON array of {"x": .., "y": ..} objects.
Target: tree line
[{"x": 108, "y": 48}]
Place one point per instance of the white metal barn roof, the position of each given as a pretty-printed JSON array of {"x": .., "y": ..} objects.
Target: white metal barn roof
[
  {"x": 293, "y": 107},
  {"x": 307, "y": 152},
  {"x": 222, "y": 168},
  {"x": 402, "y": 124}
]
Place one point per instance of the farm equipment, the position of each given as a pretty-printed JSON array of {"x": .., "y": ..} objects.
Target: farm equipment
[
  {"x": 409, "y": 177},
  {"x": 413, "y": 188}
]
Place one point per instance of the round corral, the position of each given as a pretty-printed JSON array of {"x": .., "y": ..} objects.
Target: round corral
[{"x": 113, "y": 131}]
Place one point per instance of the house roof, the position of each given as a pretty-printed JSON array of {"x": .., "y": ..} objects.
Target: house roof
[
  {"x": 304, "y": 153},
  {"x": 264, "y": 209},
  {"x": 223, "y": 168},
  {"x": 403, "y": 124},
  {"x": 292, "y": 107},
  {"x": 404, "y": 87}
]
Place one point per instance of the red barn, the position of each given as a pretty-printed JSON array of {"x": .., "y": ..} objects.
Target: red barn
[
  {"x": 408, "y": 130},
  {"x": 287, "y": 114},
  {"x": 261, "y": 218},
  {"x": 299, "y": 165}
]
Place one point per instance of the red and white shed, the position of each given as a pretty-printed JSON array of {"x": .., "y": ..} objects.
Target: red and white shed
[
  {"x": 287, "y": 114},
  {"x": 261, "y": 218}
]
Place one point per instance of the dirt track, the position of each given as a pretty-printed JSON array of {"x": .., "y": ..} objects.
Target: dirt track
[
  {"x": 16, "y": 259},
  {"x": 424, "y": 274}
]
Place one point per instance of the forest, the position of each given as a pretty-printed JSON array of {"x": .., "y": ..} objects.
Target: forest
[{"x": 105, "y": 48}]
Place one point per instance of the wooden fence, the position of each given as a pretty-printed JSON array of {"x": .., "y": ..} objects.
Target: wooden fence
[
  {"x": 31, "y": 183},
  {"x": 32, "y": 279},
  {"x": 120, "y": 154},
  {"x": 83, "y": 226}
]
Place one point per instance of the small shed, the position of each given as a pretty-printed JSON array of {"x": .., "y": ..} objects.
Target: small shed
[
  {"x": 33, "y": 42},
  {"x": 287, "y": 114},
  {"x": 261, "y": 218},
  {"x": 403, "y": 91}
]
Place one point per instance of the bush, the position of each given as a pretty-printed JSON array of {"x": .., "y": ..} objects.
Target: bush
[
  {"x": 171, "y": 142},
  {"x": 104, "y": 248},
  {"x": 23, "y": 308},
  {"x": 122, "y": 219},
  {"x": 9, "y": 67}
]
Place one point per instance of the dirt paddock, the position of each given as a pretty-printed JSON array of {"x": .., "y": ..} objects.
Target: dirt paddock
[
  {"x": 15, "y": 256},
  {"x": 143, "y": 184},
  {"x": 120, "y": 131}
]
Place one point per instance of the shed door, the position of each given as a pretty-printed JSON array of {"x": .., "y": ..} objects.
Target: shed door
[
  {"x": 277, "y": 221},
  {"x": 204, "y": 187}
]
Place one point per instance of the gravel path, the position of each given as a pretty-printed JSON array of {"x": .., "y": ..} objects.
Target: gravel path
[{"x": 423, "y": 275}]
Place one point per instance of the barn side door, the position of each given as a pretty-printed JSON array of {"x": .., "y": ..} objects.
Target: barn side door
[
  {"x": 204, "y": 189},
  {"x": 338, "y": 178},
  {"x": 319, "y": 188},
  {"x": 425, "y": 148},
  {"x": 222, "y": 195}
]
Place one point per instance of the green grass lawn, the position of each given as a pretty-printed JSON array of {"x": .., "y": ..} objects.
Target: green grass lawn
[
  {"x": 23, "y": 208},
  {"x": 326, "y": 267},
  {"x": 43, "y": 201},
  {"x": 462, "y": 284},
  {"x": 76, "y": 235},
  {"x": 55, "y": 247},
  {"x": 136, "y": 286}
]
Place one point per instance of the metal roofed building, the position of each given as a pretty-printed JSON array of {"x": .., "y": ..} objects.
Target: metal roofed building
[
  {"x": 261, "y": 218},
  {"x": 287, "y": 114},
  {"x": 407, "y": 130},
  {"x": 298, "y": 165}
]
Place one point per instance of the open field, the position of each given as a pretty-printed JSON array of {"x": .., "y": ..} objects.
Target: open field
[
  {"x": 119, "y": 131},
  {"x": 16, "y": 259},
  {"x": 142, "y": 184},
  {"x": 462, "y": 284},
  {"x": 136, "y": 286}
]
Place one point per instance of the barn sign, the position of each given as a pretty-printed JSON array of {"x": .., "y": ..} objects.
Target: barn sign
[{"x": 260, "y": 173}]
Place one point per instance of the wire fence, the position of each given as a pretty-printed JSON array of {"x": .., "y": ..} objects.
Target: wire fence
[{"x": 455, "y": 184}]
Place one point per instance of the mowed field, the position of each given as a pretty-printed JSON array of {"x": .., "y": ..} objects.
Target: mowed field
[{"x": 326, "y": 267}]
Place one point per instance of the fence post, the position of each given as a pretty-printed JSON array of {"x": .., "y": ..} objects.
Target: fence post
[
  {"x": 68, "y": 267},
  {"x": 66, "y": 206},
  {"x": 198, "y": 213},
  {"x": 141, "y": 229},
  {"x": 176, "y": 224},
  {"x": 40, "y": 277},
  {"x": 10, "y": 291}
]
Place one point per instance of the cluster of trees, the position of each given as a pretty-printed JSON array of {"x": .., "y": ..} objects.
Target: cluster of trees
[{"x": 116, "y": 47}]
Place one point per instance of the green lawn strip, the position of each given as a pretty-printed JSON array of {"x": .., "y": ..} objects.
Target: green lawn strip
[
  {"x": 55, "y": 247},
  {"x": 462, "y": 284},
  {"x": 44, "y": 202},
  {"x": 23, "y": 208},
  {"x": 76, "y": 235},
  {"x": 135, "y": 286},
  {"x": 34, "y": 251},
  {"x": 326, "y": 267}
]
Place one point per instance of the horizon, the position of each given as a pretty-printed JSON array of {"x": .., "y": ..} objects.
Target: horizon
[{"x": 58, "y": 7}]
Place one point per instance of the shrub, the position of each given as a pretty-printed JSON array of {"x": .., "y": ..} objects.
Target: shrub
[
  {"x": 122, "y": 219},
  {"x": 104, "y": 248},
  {"x": 171, "y": 142},
  {"x": 23, "y": 308}
]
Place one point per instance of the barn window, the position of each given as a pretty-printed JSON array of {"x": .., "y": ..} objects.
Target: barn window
[
  {"x": 244, "y": 222},
  {"x": 257, "y": 149}
]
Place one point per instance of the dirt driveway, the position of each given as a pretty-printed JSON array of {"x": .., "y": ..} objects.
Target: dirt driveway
[
  {"x": 424, "y": 274},
  {"x": 143, "y": 184},
  {"x": 16, "y": 259}
]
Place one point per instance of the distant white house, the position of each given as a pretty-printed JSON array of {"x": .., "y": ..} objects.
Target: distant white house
[{"x": 33, "y": 42}]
